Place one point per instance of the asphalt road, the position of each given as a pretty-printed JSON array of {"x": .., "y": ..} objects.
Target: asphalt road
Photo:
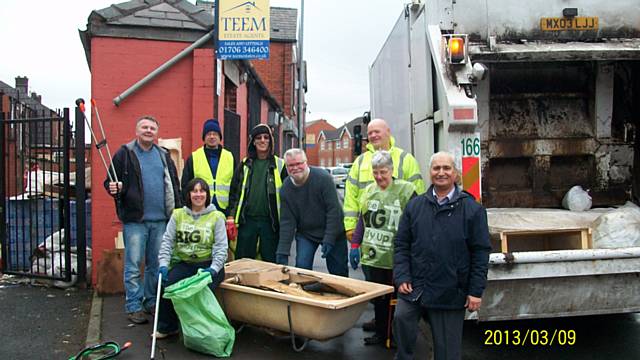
[{"x": 38, "y": 322}]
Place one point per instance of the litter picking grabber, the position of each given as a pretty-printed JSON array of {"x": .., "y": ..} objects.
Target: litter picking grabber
[
  {"x": 113, "y": 176},
  {"x": 155, "y": 317},
  {"x": 106, "y": 350}
]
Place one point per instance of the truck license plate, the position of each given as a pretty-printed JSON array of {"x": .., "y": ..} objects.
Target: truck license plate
[{"x": 578, "y": 23}]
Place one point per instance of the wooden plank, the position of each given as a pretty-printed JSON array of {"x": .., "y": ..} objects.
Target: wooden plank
[{"x": 545, "y": 240}]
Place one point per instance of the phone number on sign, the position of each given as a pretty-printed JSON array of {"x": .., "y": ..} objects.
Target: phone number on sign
[{"x": 532, "y": 337}]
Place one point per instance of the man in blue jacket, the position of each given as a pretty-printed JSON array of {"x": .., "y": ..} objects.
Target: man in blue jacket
[{"x": 440, "y": 262}]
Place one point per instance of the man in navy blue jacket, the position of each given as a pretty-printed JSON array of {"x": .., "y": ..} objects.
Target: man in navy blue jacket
[{"x": 440, "y": 262}]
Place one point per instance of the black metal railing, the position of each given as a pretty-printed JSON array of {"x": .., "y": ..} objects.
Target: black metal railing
[{"x": 42, "y": 228}]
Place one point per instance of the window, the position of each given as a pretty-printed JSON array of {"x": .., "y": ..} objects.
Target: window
[
  {"x": 322, "y": 146},
  {"x": 322, "y": 161},
  {"x": 345, "y": 143},
  {"x": 230, "y": 95},
  {"x": 337, "y": 144}
]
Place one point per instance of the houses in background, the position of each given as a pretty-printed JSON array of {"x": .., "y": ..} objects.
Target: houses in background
[
  {"x": 333, "y": 146},
  {"x": 29, "y": 144}
]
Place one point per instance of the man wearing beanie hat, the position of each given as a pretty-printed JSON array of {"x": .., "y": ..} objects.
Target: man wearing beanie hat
[
  {"x": 254, "y": 203},
  {"x": 212, "y": 163}
]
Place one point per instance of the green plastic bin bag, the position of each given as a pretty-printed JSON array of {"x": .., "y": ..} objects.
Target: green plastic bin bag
[{"x": 205, "y": 328}]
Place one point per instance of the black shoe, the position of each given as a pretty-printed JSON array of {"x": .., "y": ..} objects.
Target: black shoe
[
  {"x": 137, "y": 317},
  {"x": 369, "y": 325},
  {"x": 375, "y": 340}
]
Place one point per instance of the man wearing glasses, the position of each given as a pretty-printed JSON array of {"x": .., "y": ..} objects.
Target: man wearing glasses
[{"x": 311, "y": 213}]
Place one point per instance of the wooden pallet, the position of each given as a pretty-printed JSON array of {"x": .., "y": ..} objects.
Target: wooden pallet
[{"x": 544, "y": 240}]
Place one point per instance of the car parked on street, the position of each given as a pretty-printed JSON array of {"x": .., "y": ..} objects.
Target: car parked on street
[{"x": 339, "y": 175}]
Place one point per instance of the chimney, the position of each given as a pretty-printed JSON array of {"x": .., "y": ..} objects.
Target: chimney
[
  {"x": 22, "y": 84},
  {"x": 36, "y": 97}
]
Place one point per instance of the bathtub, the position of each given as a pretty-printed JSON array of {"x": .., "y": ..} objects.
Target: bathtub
[{"x": 317, "y": 319}]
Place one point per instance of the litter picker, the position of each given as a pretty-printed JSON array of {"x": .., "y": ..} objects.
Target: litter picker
[
  {"x": 106, "y": 350},
  {"x": 111, "y": 173},
  {"x": 155, "y": 317}
]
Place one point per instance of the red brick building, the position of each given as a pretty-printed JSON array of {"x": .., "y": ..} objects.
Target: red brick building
[
  {"x": 123, "y": 44},
  {"x": 337, "y": 146},
  {"x": 312, "y": 131}
]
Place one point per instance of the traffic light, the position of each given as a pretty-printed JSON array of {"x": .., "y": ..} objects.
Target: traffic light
[{"x": 357, "y": 138}]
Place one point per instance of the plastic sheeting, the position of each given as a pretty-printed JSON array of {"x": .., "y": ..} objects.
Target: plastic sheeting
[
  {"x": 618, "y": 228},
  {"x": 504, "y": 219}
]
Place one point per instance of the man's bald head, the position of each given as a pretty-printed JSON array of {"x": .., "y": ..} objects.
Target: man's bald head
[{"x": 379, "y": 134}]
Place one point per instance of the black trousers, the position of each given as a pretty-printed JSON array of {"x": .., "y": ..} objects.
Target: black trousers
[
  {"x": 446, "y": 327},
  {"x": 381, "y": 304},
  {"x": 167, "y": 318}
]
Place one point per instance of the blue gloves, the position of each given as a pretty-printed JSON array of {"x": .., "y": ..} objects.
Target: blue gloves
[
  {"x": 282, "y": 259},
  {"x": 354, "y": 257},
  {"x": 164, "y": 271},
  {"x": 326, "y": 249},
  {"x": 210, "y": 271}
]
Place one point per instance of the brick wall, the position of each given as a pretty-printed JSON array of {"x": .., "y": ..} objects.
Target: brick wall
[
  {"x": 312, "y": 147},
  {"x": 278, "y": 74},
  {"x": 180, "y": 98}
]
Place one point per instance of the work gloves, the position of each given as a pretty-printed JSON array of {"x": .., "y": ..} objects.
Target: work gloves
[
  {"x": 232, "y": 231},
  {"x": 164, "y": 271},
  {"x": 282, "y": 259},
  {"x": 354, "y": 256},
  {"x": 210, "y": 271},
  {"x": 349, "y": 235},
  {"x": 326, "y": 249}
]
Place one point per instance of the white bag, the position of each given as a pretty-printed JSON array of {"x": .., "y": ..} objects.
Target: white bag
[
  {"x": 577, "y": 199},
  {"x": 617, "y": 228}
]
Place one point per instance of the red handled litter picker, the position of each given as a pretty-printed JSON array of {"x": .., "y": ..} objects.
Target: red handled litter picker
[{"x": 111, "y": 173}]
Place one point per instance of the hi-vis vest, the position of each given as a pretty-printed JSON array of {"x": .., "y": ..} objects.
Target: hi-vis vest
[
  {"x": 381, "y": 211},
  {"x": 278, "y": 184},
  {"x": 405, "y": 167},
  {"x": 221, "y": 184},
  {"x": 194, "y": 238}
]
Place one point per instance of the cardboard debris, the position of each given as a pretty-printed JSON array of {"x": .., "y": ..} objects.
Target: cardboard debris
[{"x": 286, "y": 281}]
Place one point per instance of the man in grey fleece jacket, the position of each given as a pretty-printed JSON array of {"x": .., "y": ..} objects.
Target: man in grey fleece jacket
[{"x": 311, "y": 212}]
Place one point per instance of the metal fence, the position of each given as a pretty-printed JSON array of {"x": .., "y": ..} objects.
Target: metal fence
[{"x": 43, "y": 219}]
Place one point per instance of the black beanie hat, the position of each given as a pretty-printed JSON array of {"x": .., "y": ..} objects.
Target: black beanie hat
[
  {"x": 260, "y": 129},
  {"x": 211, "y": 125}
]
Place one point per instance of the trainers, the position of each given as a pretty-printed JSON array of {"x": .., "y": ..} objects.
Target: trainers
[
  {"x": 369, "y": 325},
  {"x": 161, "y": 335},
  {"x": 374, "y": 340},
  {"x": 137, "y": 317}
]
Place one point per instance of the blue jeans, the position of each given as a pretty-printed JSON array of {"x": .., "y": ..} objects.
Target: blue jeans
[
  {"x": 141, "y": 241},
  {"x": 336, "y": 259}
]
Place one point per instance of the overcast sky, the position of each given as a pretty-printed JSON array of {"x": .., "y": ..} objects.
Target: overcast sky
[{"x": 341, "y": 39}]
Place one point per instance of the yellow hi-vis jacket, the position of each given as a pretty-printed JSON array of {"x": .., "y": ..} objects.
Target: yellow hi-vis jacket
[
  {"x": 405, "y": 167},
  {"x": 220, "y": 185}
]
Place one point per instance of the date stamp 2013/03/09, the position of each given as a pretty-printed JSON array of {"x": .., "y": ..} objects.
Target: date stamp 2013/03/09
[{"x": 530, "y": 337}]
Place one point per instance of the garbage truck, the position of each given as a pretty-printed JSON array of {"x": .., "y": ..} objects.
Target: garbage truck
[{"x": 532, "y": 100}]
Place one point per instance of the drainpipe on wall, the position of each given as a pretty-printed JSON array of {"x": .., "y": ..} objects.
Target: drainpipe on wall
[{"x": 159, "y": 70}]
